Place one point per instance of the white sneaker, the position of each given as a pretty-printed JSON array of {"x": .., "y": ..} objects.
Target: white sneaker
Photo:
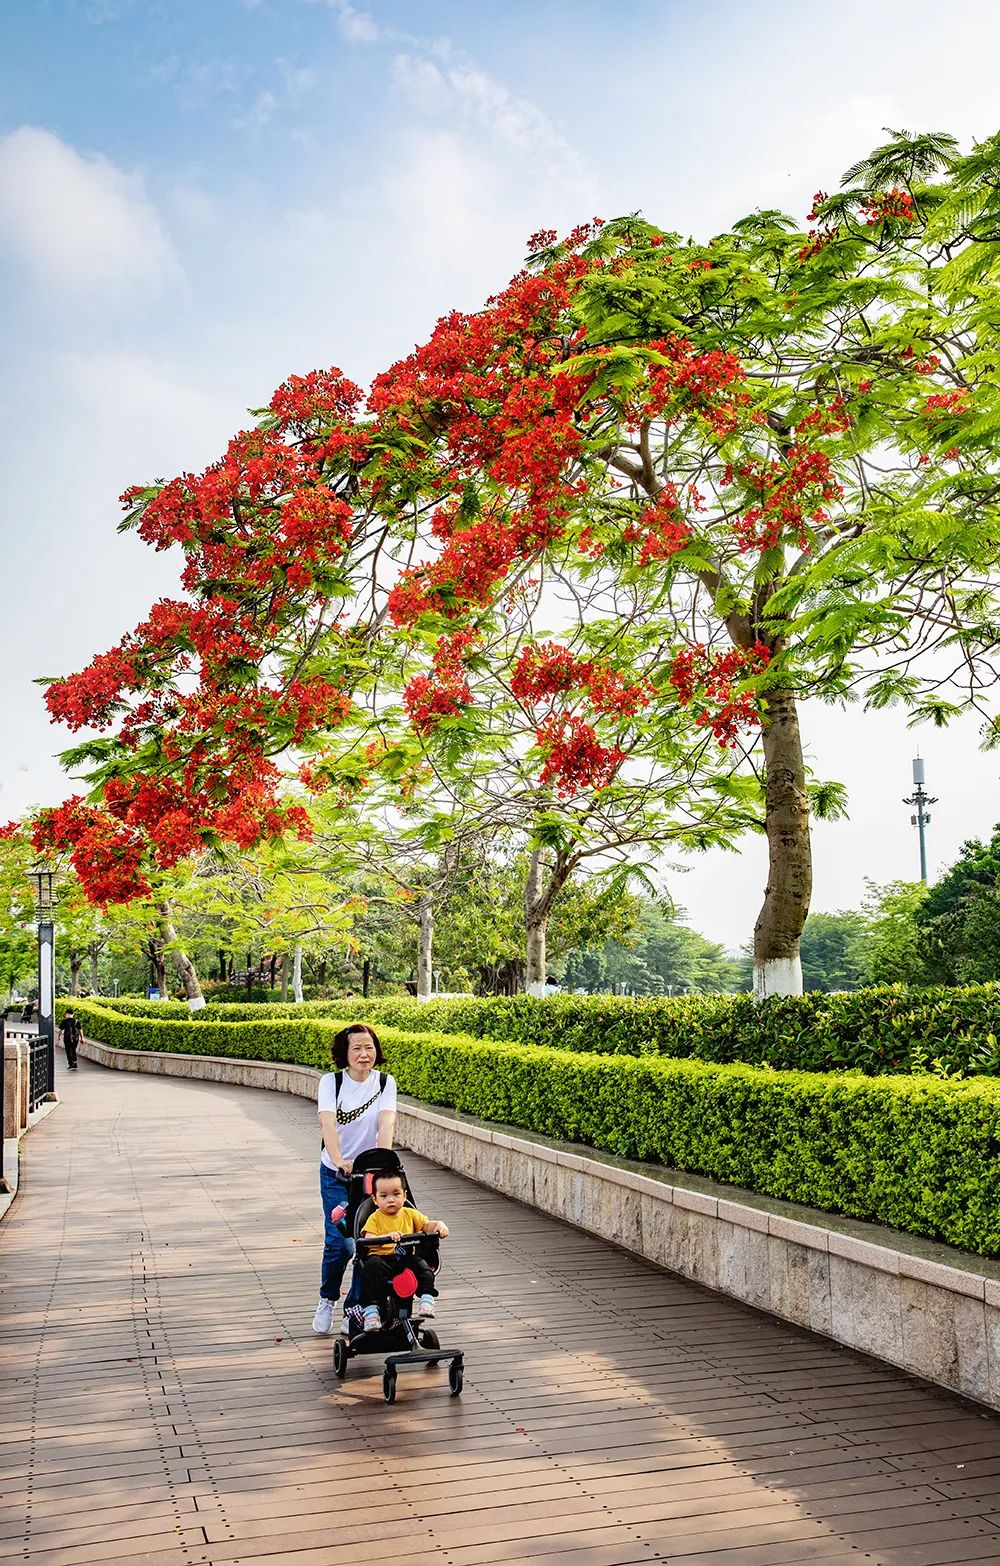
[
  {"x": 323, "y": 1319},
  {"x": 425, "y": 1304}
]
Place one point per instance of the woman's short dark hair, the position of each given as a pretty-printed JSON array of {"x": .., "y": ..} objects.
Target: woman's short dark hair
[{"x": 341, "y": 1040}]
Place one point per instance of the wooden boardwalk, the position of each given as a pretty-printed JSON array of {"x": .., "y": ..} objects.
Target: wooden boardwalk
[{"x": 163, "y": 1399}]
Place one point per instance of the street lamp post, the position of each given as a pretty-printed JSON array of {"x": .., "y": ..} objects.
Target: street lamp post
[
  {"x": 43, "y": 881},
  {"x": 920, "y": 799}
]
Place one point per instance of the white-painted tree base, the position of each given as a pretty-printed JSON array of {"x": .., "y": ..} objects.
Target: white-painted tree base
[
  {"x": 297, "y": 991},
  {"x": 536, "y": 988},
  {"x": 777, "y": 976},
  {"x": 196, "y": 1002}
]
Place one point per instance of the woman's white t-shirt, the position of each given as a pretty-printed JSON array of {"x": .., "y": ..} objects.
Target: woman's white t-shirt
[{"x": 358, "y": 1135}]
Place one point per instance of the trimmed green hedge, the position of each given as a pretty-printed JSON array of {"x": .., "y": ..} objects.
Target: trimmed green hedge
[
  {"x": 889, "y": 1029},
  {"x": 914, "y": 1152}
]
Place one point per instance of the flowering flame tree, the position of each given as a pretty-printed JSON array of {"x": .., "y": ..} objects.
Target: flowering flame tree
[{"x": 748, "y": 472}]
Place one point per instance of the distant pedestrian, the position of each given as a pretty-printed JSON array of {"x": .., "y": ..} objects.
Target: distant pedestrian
[{"x": 70, "y": 1031}]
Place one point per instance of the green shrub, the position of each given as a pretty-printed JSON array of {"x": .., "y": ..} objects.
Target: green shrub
[
  {"x": 877, "y": 1031},
  {"x": 884, "y": 1030},
  {"x": 914, "y": 1152}
]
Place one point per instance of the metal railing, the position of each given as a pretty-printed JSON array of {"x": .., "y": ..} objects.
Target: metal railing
[
  {"x": 38, "y": 1072},
  {"x": 38, "y": 1063}
]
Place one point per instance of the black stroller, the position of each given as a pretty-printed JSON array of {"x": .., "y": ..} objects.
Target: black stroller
[{"x": 400, "y": 1339}]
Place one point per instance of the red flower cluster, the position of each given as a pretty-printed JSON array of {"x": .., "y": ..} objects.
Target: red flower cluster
[
  {"x": 548, "y": 670},
  {"x": 828, "y": 419},
  {"x": 105, "y": 853},
  {"x": 791, "y": 494},
  {"x": 893, "y": 204},
  {"x": 315, "y": 524},
  {"x": 482, "y": 387},
  {"x": 700, "y": 675},
  {"x": 947, "y": 405},
  {"x": 470, "y": 567},
  {"x": 323, "y": 395},
  {"x": 10, "y": 831},
  {"x": 254, "y": 813},
  {"x": 429, "y": 698},
  {"x": 313, "y": 705},
  {"x": 94, "y": 695},
  {"x": 691, "y": 384},
  {"x": 818, "y": 240},
  {"x": 574, "y": 759},
  {"x": 661, "y": 531},
  {"x": 614, "y": 696}
]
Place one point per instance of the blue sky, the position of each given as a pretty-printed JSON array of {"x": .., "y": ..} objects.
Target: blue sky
[{"x": 197, "y": 198}]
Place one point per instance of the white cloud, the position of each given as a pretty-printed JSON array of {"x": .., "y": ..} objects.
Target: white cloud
[
  {"x": 261, "y": 113},
  {"x": 191, "y": 203},
  {"x": 421, "y": 82},
  {"x": 80, "y": 223},
  {"x": 298, "y": 80},
  {"x": 356, "y": 26},
  {"x": 295, "y": 85},
  {"x": 458, "y": 86}
]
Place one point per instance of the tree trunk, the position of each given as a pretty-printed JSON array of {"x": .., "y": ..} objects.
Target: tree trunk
[
  {"x": 425, "y": 947},
  {"x": 274, "y": 969},
  {"x": 286, "y": 968},
  {"x": 222, "y": 966},
  {"x": 297, "y": 974},
  {"x": 182, "y": 962},
  {"x": 777, "y": 969},
  {"x": 366, "y": 976},
  {"x": 94, "y": 952},
  {"x": 75, "y": 964},
  {"x": 540, "y": 892}
]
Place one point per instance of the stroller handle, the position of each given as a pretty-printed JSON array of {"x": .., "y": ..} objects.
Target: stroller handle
[{"x": 384, "y": 1239}]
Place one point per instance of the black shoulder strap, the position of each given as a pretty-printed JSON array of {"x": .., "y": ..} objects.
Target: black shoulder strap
[
  {"x": 382, "y": 1080},
  {"x": 338, "y": 1077}
]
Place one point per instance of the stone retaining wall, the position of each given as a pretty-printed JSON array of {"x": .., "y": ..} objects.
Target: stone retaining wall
[{"x": 926, "y": 1308}]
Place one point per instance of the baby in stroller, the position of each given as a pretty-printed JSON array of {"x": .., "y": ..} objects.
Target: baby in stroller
[
  {"x": 407, "y": 1271},
  {"x": 397, "y": 1254}
]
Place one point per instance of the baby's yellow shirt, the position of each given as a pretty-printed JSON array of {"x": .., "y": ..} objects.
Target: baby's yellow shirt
[{"x": 406, "y": 1221}]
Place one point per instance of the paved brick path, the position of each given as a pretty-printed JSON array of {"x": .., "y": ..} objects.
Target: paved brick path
[{"x": 162, "y": 1398}]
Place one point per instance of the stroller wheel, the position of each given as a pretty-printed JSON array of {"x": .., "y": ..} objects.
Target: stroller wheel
[
  {"x": 389, "y": 1385},
  {"x": 340, "y": 1357},
  {"x": 456, "y": 1379},
  {"x": 429, "y": 1340}
]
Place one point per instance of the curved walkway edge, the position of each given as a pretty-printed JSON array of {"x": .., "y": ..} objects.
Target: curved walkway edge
[{"x": 925, "y": 1308}]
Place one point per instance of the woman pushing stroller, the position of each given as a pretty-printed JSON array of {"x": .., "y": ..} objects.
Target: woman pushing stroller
[{"x": 357, "y": 1112}]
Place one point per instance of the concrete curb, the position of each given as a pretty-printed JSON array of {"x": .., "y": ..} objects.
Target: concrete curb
[{"x": 925, "y": 1308}]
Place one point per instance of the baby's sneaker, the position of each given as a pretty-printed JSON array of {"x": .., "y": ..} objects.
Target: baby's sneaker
[
  {"x": 372, "y": 1319},
  {"x": 425, "y": 1304}
]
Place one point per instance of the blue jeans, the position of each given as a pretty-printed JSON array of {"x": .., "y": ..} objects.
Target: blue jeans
[{"x": 337, "y": 1248}]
